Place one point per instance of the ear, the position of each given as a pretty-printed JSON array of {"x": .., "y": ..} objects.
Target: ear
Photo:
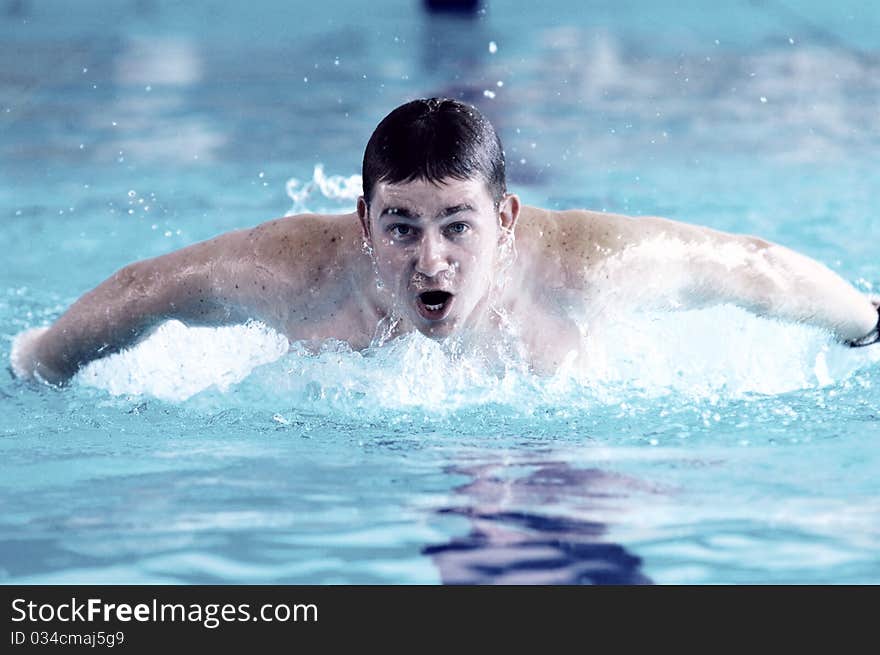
[
  {"x": 364, "y": 217},
  {"x": 509, "y": 212}
]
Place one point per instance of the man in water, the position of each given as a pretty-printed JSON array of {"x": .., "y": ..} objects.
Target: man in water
[{"x": 438, "y": 245}]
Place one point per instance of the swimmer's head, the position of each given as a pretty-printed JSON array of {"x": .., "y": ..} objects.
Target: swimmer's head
[
  {"x": 438, "y": 250},
  {"x": 434, "y": 139},
  {"x": 436, "y": 215}
]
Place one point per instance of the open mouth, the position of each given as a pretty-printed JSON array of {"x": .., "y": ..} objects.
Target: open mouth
[{"x": 434, "y": 305}]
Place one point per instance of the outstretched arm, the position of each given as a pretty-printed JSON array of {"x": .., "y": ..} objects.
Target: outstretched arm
[
  {"x": 122, "y": 310},
  {"x": 676, "y": 265},
  {"x": 222, "y": 281}
]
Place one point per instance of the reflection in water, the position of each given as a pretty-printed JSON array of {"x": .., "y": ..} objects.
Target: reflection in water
[
  {"x": 455, "y": 45},
  {"x": 16, "y": 9},
  {"x": 508, "y": 545},
  {"x": 172, "y": 61},
  {"x": 452, "y": 6},
  {"x": 152, "y": 115},
  {"x": 458, "y": 55}
]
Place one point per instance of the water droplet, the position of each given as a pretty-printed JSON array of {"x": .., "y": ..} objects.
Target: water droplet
[
  {"x": 132, "y": 193},
  {"x": 493, "y": 47},
  {"x": 763, "y": 99},
  {"x": 489, "y": 94}
]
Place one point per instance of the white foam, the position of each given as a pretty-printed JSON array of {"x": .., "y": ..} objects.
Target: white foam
[
  {"x": 722, "y": 352},
  {"x": 176, "y": 362}
]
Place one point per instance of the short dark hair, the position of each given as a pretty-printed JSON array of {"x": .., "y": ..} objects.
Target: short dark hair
[{"x": 434, "y": 139}]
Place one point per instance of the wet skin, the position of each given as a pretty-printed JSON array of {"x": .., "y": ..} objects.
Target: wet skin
[
  {"x": 443, "y": 259},
  {"x": 436, "y": 250}
]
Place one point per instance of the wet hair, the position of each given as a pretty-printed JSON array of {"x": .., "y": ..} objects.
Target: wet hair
[{"x": 433, "y": 139}]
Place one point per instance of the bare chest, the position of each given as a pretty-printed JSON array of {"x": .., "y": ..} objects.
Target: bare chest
[
  {"x": 548, "y": 332},
  {"x": 340, "y": 318}
]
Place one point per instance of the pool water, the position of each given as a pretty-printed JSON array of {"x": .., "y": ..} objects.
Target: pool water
[{"x": 700, "y": 447}]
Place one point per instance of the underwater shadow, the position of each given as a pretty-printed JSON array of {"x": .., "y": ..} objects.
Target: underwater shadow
[{"x": 516, "y": 546}]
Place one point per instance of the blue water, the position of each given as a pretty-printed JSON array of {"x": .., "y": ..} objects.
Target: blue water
[{"x": 702, "y": 447}]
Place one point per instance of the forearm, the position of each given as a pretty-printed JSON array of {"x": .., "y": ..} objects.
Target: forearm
[
  {"x": 118, "y": 313},
  {"x": 773, "y": 281},
  {"x": 101, "y": 322},
  {"x": 105, "y": 320},
  {"x": 668, "y": 264},
  {"x": 781, "y": 283}
]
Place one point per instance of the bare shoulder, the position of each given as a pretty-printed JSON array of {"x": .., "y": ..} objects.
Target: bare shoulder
[
  {"x": 563, "y": 245},
  {"x": 581, "y": 239},
  {"x": 301, "y": 238},
  {"x": 286, "y": 250},
  {"x": 306, "y": 242},
  {"x": 256, "y": 272},
  {"x": 577, "y": 230}
]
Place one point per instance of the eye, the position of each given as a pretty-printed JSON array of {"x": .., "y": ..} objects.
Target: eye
[
  {"x": 458, "y": 228},
  {"x": 400, "y": 230}
]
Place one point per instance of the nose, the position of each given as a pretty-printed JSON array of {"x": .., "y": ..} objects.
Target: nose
[{"x": 431, "y": 258}]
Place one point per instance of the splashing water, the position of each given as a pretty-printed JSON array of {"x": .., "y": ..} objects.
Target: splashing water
[
  {"x": 338, "y": 189},
  {"x": 177, "y": 362},
  {"x": 717, "y": 352},
  {"x": 722, "y": 352}
]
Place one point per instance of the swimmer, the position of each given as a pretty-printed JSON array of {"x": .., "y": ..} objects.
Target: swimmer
[{"x": 438, "y": 245}]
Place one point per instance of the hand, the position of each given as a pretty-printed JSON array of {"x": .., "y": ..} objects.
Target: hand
[{"x": 23, "y": 355}]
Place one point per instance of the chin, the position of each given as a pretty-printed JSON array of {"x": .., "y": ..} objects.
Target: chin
[{"x": 438, "y": 330}]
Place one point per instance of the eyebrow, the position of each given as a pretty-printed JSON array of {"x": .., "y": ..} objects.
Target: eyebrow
[{"x": 403, "y": 212}]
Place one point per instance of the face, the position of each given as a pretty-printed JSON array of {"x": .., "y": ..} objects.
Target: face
[{"x": 436, "y": 249}]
